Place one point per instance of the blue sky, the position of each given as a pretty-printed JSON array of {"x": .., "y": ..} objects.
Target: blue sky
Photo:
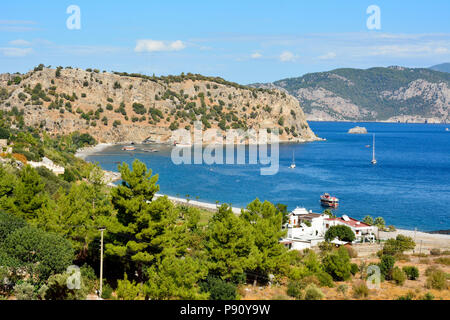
[{"x": 243, "y": 41}]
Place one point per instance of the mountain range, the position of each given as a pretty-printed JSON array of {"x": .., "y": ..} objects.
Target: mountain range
[{"x": 392, "y": 94}]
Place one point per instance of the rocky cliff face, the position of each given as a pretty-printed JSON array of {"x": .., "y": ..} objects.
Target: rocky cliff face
[
  {"x": 394, "y": 94},
  {"x": 116, "y": 107}
]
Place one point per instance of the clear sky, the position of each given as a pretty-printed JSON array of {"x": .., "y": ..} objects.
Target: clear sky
[{"x": 244, "y": 41}]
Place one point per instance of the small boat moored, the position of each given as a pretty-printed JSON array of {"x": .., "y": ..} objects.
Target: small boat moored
[
  {"x": 293, "y": 166},
  {"x": 328, "y": 201},
  {"x": 128, "y": 148}
]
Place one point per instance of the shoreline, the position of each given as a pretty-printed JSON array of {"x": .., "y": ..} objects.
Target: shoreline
[
  {"x": 198, "y": 204},
  {"x": 111, "y": 176},
  {"x": 83, "y": 153}
]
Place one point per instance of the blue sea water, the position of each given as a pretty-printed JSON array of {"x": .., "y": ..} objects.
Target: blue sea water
[{"x": 409, "y": 187}]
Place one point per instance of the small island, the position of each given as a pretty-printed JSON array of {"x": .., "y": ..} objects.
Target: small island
[{"x": 358, "y": 130}]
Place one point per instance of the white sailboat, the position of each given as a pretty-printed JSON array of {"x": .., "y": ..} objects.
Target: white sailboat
[
  {"x": 374, "y": 161},
  {"x": 292, "y": 166}
]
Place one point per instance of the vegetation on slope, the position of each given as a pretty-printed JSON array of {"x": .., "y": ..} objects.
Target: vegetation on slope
[{"x": 366, "y": 88}]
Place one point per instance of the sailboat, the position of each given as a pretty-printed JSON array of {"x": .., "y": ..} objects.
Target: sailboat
[
  {"x": 374, "y": 161},
  {"x": 292, "y": 166}
]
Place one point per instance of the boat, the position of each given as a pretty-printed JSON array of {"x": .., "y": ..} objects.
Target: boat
[
  {"x": 181, "y": 145},
  {"x": 128, "y": 148},
  {"x": 374, "y": 161},
  {"x": 150, "y": 150},
  {"x": 292, "y": 166},
  {"x": 446, "y": 129},
  {"x": 328, "y": 201}
]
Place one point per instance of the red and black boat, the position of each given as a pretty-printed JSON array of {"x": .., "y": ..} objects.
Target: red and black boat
[{"x": 328, "y": 201}]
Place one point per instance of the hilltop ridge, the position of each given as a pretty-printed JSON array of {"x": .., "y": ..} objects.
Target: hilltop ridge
[
  {"x": 120, "y": 107},
  {"x": 392, "y": 94}
]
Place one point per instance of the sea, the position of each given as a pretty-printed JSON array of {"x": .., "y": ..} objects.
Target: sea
[{"x": 409, "y": 186}]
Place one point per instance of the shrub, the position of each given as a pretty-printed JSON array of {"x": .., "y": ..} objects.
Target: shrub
[
  {"x": 312, "y": 292},
  {"x": 437, "y": 280},
  {"x": 341, "y": 232},
  {"x": 219, "y": 289},
  {"x": 360, "y": 289},
  {"x": 428, "y": 296},
  {"x": 411, "y": 272},
  {"x": 109, "y": 107},
  {"x": 325, "y": 279},
  {"x": 409, "y": 296},
  {"x": 337, "y": 264},
  {"x": 354, "y": 268},
  {"x": 24, "y": 291},
  {"x": 4, "y": 133},
  {"x": 107, "y": 291},
  {"x": 342, "y": 288},
  {"x": 295, "y": 289},
  {"x": 386, "y": 265},
  {"x": 116, "y": 123},
  {"x": 139, "y": 108},
  {"x": 399, "y": 276},
  {"x": 58, "y": 289},
  {"x": 127, "y": 290},
  {"x": 398, "y": 245},
  {"x": 325, "y": 247}
]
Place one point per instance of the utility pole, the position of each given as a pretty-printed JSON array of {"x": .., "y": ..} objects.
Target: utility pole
[{"x": 101, "y": 262}]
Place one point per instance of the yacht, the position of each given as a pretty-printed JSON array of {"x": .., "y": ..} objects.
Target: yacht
[
  {"x": 374, "y": 161},
  {"x": 292, "y": 166}
]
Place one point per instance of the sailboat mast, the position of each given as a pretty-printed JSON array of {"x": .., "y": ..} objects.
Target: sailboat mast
[{"x": 373, "y": 149}]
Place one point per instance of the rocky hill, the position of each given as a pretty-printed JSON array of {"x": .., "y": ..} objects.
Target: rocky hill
[
  {"x": 393, "y": 94},
  {"x": 121, "y": 107}
]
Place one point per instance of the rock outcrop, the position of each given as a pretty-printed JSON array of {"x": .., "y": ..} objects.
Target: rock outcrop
[{"x": 358, "y": 130}]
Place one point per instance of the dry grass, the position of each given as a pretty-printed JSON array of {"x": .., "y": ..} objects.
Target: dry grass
[{"x": 388, "y": 290}]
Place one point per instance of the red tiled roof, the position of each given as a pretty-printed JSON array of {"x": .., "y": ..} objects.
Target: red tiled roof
[{"x": 352, "y": 222}]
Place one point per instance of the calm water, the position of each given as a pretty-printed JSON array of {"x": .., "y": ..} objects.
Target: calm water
[{"x": 409, "y": 187}]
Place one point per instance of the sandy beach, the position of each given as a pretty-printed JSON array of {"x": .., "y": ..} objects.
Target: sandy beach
[
  {"x": 195, "y": 203},
  {"x": 426, "y": 241},
  {"x": 85, "y": 152}
]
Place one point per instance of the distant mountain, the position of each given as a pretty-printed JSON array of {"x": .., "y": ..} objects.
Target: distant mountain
[
  {"x": 393, "y": 94},
  {"x": 443, "y": 67}
]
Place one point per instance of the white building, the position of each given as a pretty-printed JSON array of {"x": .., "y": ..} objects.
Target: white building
[
  {"x": 363, "y": 232},
  {"x": 306, "y": 229},
  {"x": 46, "y": 162}
]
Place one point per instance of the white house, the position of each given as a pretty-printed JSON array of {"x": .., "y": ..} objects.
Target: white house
[
  {"x": 46, "y": 162},
  {"x": 363, "y": 232},
  {"x": 306, "y": 229}
]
